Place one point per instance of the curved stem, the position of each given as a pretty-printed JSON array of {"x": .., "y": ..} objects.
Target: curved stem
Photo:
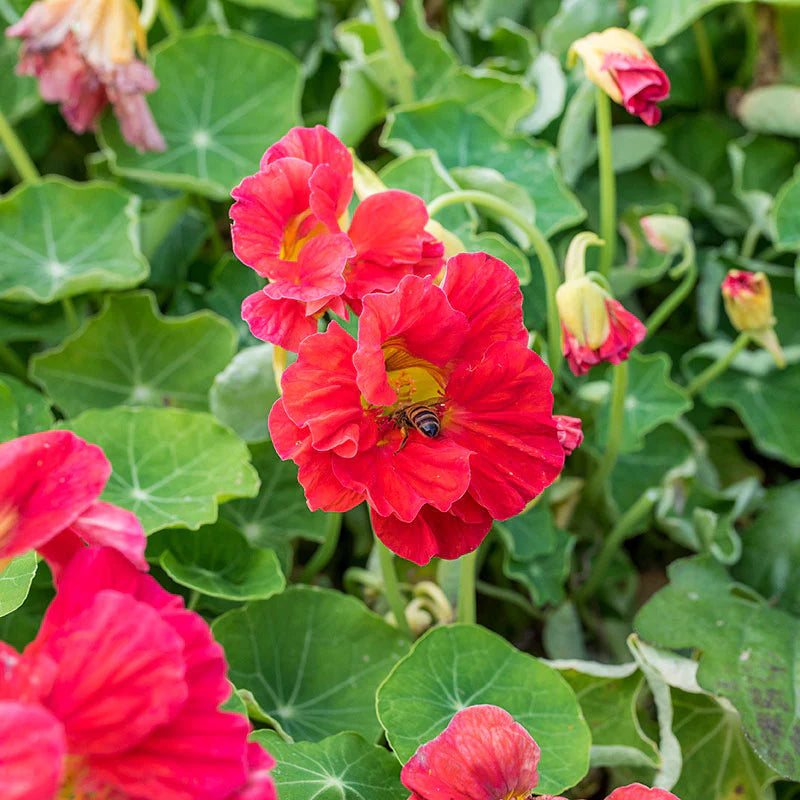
[
  {"x": 626, "y": 527},
  {"x": 324, "y": 553},
  {"x": 707, "y": 65},
  {"x": 70, "y": 315},
  {"x": 16, "y": 151},
  {"x": 668, "y": 306},
  {"x": 719, "y": 366},
  {"x": 547, "y": 259},
  {"x": 508, "y": 596},
  {"x": 616, "y": 420},
  {"x": 11, "y": 361},
  {"x": 750, "y": 241},
  {"x": 608, "y": 186},
  {"x": 391, "y": 587},
  {"x": 169, "y": 19},
  {"x": 391, "y": 44},
  {"x": 466, "y": 587},
  {"x": 148, "y": 13}
]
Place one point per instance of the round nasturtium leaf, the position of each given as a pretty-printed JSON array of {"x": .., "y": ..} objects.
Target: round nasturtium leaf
[
  {"x": 129, "y": 354},
  {"x": 222, "y": 100},
  {"x": 341, "y": 767},
  {"x": 312, "y": 660},
  {"x": 15, "y": 582},
  {"x": 170, "y": 467},
  {"x": 59, "y": 238},
  {"x": 456, "y": 666}
]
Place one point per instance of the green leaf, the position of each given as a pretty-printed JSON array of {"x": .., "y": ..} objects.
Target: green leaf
[
  {"x": 770, "y": 560},
  {"x": 575, "y": 19},
  {"x": 9, "y": 416},
  {"x": 221, "y": 101},
  {"x": 217, "y": 561},
  {"x": 652, "y": 399},
  {"x": 312, "y": 660},
  {"x": 748, "y": 655},
  {"x": 785, "y": 215},
  {"x": 455, "y": 666},
  {"x": 18, "y": 93},
  {"x": 341, "y": 767},
  {"x": 59, "y": 239},
  {"x": 771, "y": 109},
  {"x": 170, "y": 467},
  {"x": 15, "y": 582},
  {"x": 633, "y": 145},
  {"x": 576, "y": 144},
  {"x": 299, "y": 9},
  {"x": 464, "y": 139},
  {"x": 22, "y": 409},
  {"x": 129, "y": 354},
  {"x": 357, "y": 106},
  {"x": 231, "y": 283},
  {"x": 243, "y": 393}
]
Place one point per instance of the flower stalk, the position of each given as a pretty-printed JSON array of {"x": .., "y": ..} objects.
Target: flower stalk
[
  {"x": 391, "y": 587},
  {"x": 707, "y": 64},
  {"x": 719, "y": 366},
  {"x": 466, "y": 587},
  {"x": 608, "y": 187},
  {"x": 688, "y": 269},
  {"x": 169, "y": 17},
  {"x": 616, "y": 421},
  {"x": 401, "y": 69},
  {"x": 541, "y": 247},
  {"x": 22, "y": 162}
]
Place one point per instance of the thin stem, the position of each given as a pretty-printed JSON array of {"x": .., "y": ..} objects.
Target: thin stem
[
  {"x": 626, "y": 527},
  {"x": 12, "y": 362},
  {"x": 547, "y": 259},
  {"x": 608, "y": 186},
  {"x": 194, "y": 599},
  {"x": 169, "y": 18},
  {"x": 508, "y": 596},
  {"x": 401, "y": 69},
  {"x": 466, "y": 587},
  {"x": 750, "y": 241},
  {"x": 16, "y": 151},
  {"x": 325, "y": 551},
  {"x": 616, "y": 421},
  {"x": 148, "y": 14},
  {"x": 679, "y": 294},
  {"x": 217, "y": 241},
  {"x": 391, "y": 587},
  {"x": 70, "y": 315},
  {"x": 707, "y": 64},
  {"x": 719, "y": 366}
]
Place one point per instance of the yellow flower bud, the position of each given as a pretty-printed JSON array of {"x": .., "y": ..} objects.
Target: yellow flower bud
[
  {"x": 582, "y": 308},
  {"x": 748, "y": 300}
]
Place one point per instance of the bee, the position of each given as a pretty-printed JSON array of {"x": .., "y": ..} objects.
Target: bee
[{"x": 421, "y": 417}]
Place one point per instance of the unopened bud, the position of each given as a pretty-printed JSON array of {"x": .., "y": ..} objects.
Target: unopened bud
[{"x": 666, "y": 233}]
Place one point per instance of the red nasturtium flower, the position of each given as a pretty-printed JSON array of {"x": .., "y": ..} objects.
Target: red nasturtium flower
[
  {"x": 487, "y": 442},
  {"x": 49, "y": 485},
  {"x": 618, "y": 62},
  {"x": 118, "y": 697},
  {"x": 636, "y": 791},
  {"x": 84, "y": 54},
  {"x": 289, "y": 223},
  {"x": 483, "y": 754}
]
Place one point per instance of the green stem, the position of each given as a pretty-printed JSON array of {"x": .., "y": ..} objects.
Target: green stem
[
  {"x": 508, "y": 596},
  {"x": 707, "y": 65},
  {"x": 547, "y": 259},
  {"x": 325, "y": 551},
  {"x": 148, "y": 14},
  {"x": 719, "y": 366},
  {"x": 217, "y": 242},
  {"x": 17, "y": 152},
  {"x": 70, "y": 315},
  {"x": 608, "y": 186},
  {"x": 194, "y": 599},
  {"x": 169, "y": 18},
  {"x": 750, "y": 241},
  {"x": 668, "y": 306},
  {"x": 401, "y": 69},
  {"x": 466, "y": 587},
  {"x": 12, "y": 362},
  {"x": 616, "y": 420},
  {"x": 627, "y": 525},
  {"x": 391, "y": 587}
]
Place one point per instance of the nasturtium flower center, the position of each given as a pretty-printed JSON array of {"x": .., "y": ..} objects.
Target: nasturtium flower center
[
  {"x": 79, "y": 785},
  {"x": 8, "y": 519},
  {"x": 415, "y": 380},
  {"x": 300, "y": 229}
]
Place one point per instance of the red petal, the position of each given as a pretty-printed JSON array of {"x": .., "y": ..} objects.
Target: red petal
[
  {"x": 259, "y": 785},
  {"x": 487, "y": 292},
  {"x": 419, "y": 319},
  {"x": 501, "y": 410},
  {"x": 32, "y": 752},
  {"x": 46, "y": 481},
  {"x": 636, "y": 791},
  {"x": 104, "y": 524},
  {"x": 641, "y": 82},
  {"x": 569, "y": 432},
  {"x": 282, "y": 322},
  {"x": 433, "y": 533},
  {"x": 265, "y": 204},
  {"x": 625, "y": 332},
  {"x": 481, "y": 755}
]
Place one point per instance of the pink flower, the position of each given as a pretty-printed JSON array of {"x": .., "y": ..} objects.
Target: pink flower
[
  {"x": 483, "y": 754},
  {"x": 636, "y": 791},
  {"x": 439, "y": 416},
  {"x": 288, "y": 222},
  {"x": 127, "y": 683},
  {"x": 569, "y": 432},
  {"x": 84, "y": 54},
  {"x": 49, "y": 485}
]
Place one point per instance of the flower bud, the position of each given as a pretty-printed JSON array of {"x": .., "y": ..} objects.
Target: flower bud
[
  {"x": 582, "y": 308},
  {"x": 570, "y": 434},
  {"x": 618, "y": 62},
  {"x": 748, "y": 300},
  {"x": 667, "y": 233}
]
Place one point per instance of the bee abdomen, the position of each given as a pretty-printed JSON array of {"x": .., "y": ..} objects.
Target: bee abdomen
[{"x": 424, "y": 419}]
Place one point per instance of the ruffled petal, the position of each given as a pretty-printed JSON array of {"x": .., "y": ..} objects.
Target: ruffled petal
[
  {"x": 259, "y": 784},
  {"x": 642, "y": 84},
  {"x": 282, "y": 322},
  {"x": 636, "y": 791}
]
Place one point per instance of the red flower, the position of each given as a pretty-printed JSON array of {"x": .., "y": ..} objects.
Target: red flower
[
  {"x": 49, "y": 485},
  {"x": 569, "y": 432},
  {"x": 481, "y": 755},
  {"x": 287, "y": 226},
  {"x": 128, "y": 683},
  {"x": 636, "y": 791},
  {"x": 84, "y": 54},
  {"x": 457, "y": 355}
]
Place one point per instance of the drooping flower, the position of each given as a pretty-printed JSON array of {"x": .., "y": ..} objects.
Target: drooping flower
[
  {"x": 84, "y": 54},
  {"x": 439, "y": 416},
  {"x": 123, "y": 685},
  {"x": 618, "y": 62},
  {"x": 49, "y": 485},
  {"x": 594, "y": 326},
  {"x": 570, "y": 433},
  {"x": 483, "y": 754},
  {"x": 289, "y": 222},
  {"x": 748, "y": 303}
]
